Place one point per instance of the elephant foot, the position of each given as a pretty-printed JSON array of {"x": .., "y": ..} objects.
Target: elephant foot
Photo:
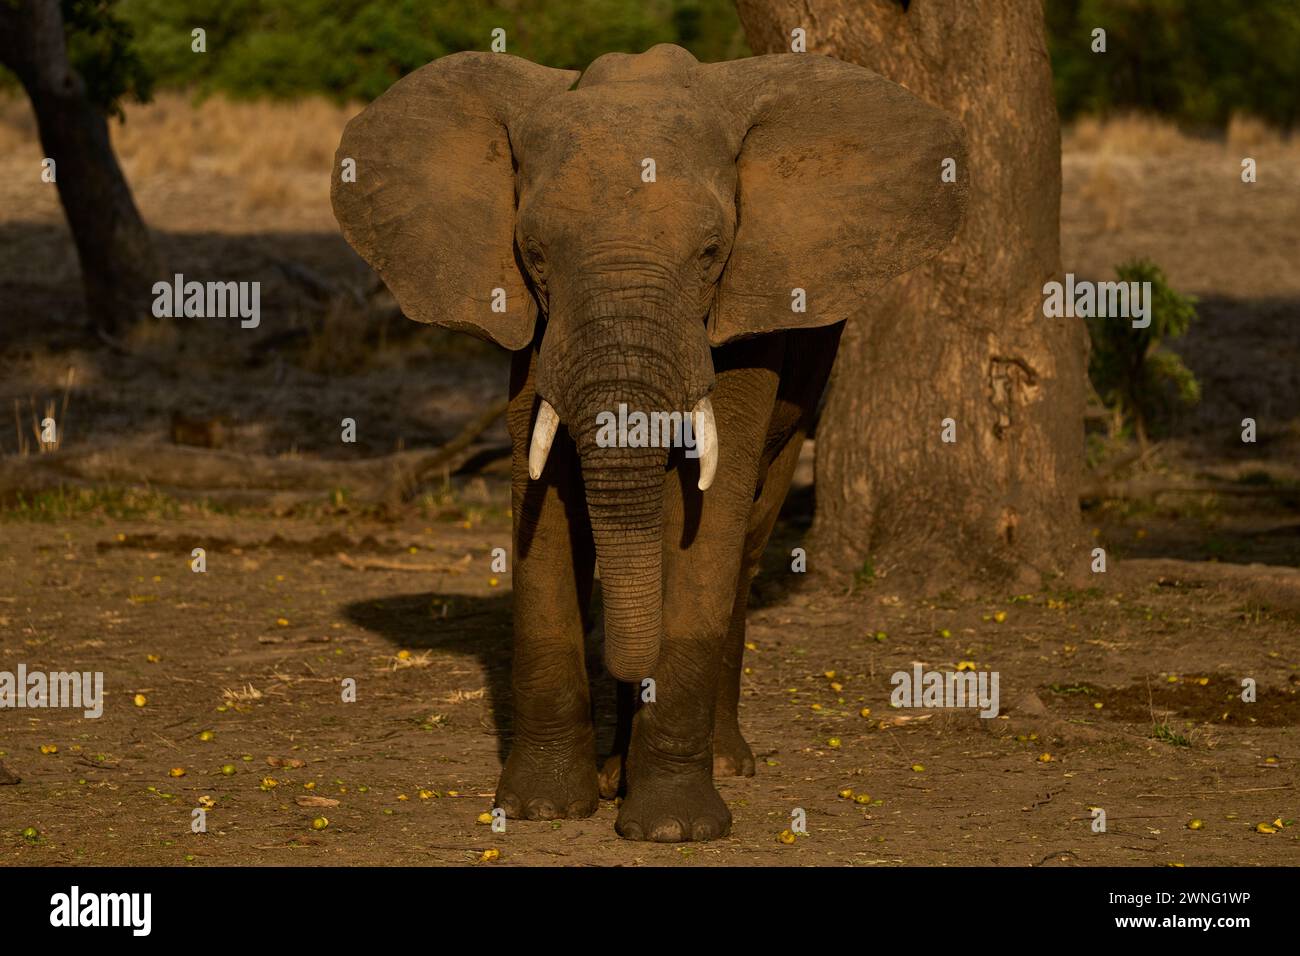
[
  {"x": 542, "y": 787},
  {"x": 674, "y": 810},
  {"x": 731, "y": 754},
  {"x": 610, "y": 776}
]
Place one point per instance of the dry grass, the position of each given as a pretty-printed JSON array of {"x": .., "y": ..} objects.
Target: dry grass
[
  {"x": 1145, "y": 136},
  {"x": 1138, "y": 187},
  {"x": 215, "y": 156},
  {"x": 47, "y": 424},
  {"x": 280, "y": 153},
  {"x": 237, "y": 139}
]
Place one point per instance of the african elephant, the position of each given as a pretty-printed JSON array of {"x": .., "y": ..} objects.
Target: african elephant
[{"x": 517, "y": 202}]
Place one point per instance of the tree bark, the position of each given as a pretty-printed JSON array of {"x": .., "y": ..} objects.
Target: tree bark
[
  {"x": 962, "y": 337},
  {"x": 118, "y": 264}
]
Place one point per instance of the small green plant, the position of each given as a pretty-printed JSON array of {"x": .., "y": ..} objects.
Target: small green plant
[
  {"x": 1128, "y": 367},
  {"x": 1167, "y": 734},
  {"x": 863, "y": 576}
]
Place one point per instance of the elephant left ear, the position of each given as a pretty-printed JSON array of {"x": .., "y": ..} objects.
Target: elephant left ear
[{"x": 841, "y": 187}]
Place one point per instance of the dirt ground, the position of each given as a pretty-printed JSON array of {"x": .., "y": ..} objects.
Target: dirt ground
[
  {"x": 224, "y": 689},
  {"x": 242, "y": 668}
]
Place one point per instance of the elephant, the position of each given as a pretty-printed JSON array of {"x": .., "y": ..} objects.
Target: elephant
[{"x": 670, "y": 236}]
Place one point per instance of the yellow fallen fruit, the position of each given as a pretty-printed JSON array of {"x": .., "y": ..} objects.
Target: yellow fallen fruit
[
  {"x": 485, "y": 818},
  {"x": 320, "y": 823},
  {"x": 207, "y": 802},
  {"x": 945, "y": 633},
  {"x": 1044, "y": 758},
  {"x": 426, "y": 794},
  {"x": 836, "y": 686},
  {"x": 816, "y": 706},
  {"x": 830, "y": 675},
  {"x": 846, "y": 794},
  {"x": 1000, "y": 616},
  {"x": 403, "y": 655},
  {"x": 1264, "y": 828},
  {"x": 1195, "y": 824},
  {"x": 49, "y": 748},
  {"x": 152, "y": 658},
  {"x": 309, "y": 785},
  {"x": 833, "y": 743},
  {"x": 176, "y": 772},
  {"x": 228, "y": 769},
  {"x": 865, "y": 712},
  {"x": 965, "y": 666},
  {"x": 139, "y": 700},
  {"x": 489, "y": 855},
  {"x": 863, "y": 798},
  {"x": 206, "y": 736},
  {"x": 282, "y": 621},
  {"x": 269, "y": 783},
  {"x": 918, "y": 768},
  {"x": 786, "y": 837}
]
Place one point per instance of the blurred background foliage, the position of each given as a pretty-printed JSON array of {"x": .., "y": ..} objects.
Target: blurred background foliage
[
  {"x": 1192, "y": 61},
  {"x": 356, "y": 49}
]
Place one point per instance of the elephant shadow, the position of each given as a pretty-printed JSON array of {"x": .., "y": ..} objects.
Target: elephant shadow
[{"x": 479, "y": 627}]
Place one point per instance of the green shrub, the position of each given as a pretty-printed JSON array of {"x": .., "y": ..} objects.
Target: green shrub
[{"x": 1137, "y": 379}]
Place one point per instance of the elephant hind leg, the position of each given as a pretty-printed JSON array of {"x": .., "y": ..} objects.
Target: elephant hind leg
[
  {"x": 613, "y": 781},
  {"x": 732, "y": 755}
]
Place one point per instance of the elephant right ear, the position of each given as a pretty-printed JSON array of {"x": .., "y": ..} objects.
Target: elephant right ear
[
  {"x": 840, "y": 188},
  {"x": 432, "y": 205}
]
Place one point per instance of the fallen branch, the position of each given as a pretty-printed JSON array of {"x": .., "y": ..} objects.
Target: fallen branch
[
  {"x": 231, "y": 476},
  {"x": 405, "y": 483},
  {"x": 380, "y": 564}
]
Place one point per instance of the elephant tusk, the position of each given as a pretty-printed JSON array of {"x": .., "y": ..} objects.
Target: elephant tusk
[
  {"x": 543, "y": 434},
  {"x": 706, "y": 437}
]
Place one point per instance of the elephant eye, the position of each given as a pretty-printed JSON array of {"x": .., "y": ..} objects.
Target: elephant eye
[
  {"x": 710, "y": 251},
  {"x": 534, "y": 257}
]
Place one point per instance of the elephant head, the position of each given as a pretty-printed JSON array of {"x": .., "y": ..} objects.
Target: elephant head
[{"x": 629, "y": 223}]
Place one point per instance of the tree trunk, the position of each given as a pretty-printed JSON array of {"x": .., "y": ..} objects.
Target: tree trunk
[
  {"x": 962, "y": 337},
  {"x": 118, "y": 265}
]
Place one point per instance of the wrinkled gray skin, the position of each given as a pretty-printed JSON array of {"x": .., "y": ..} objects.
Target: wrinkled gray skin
[{"x": 484, "y": 172}]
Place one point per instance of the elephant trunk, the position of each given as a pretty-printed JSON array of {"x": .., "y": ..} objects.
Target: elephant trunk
[
  {"x": 611, "y": 351},
  {"x": 625, "y": 505}
]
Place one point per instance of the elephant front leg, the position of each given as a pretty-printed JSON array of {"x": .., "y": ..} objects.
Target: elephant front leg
[
  {"x": 670, "y": 793},
  {"x": 551, "y": 770}
]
